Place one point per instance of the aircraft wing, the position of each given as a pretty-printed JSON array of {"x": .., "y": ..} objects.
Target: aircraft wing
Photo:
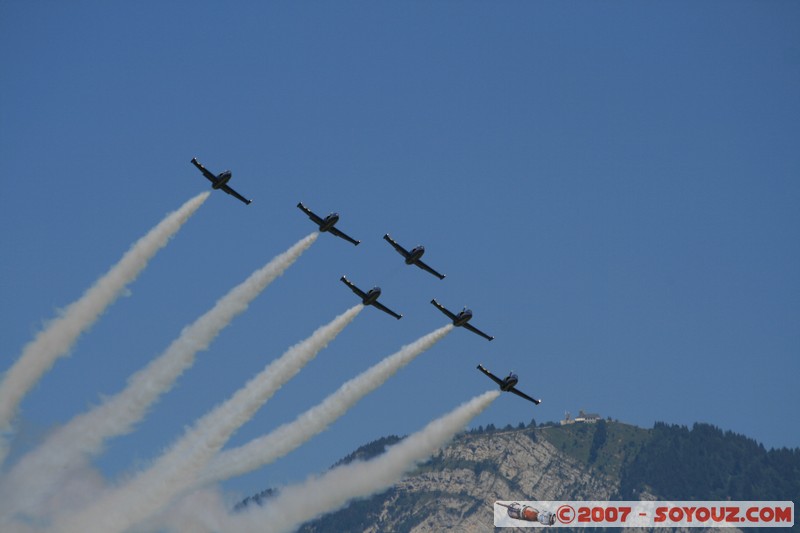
[
  {"x": 317, "y": 220},
  {"x": 523, "y": 395},
  {"x": 473, "y": 329},
  {"x": 396, "y": 246},
  {"x": 490, "y": 375},
  {"x": 441, "y": 308},
  {"x": 211, "y": 177},
  {"x": 343, "y": 235},
  {"x": 423, "y": 266},
  {"x": 235, "y": 194},
  {"x": 361, "y": 294},
  {"x": 386, "y": 310}
]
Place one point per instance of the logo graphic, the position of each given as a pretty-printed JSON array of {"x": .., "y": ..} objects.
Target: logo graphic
[
  {"x": 517, "y": 511},
  {"x": 566, "y": 514},
  {"x": 644, "y": 514}
]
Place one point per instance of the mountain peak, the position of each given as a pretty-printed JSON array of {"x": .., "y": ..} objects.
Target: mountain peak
[{"x": 599, "y": 460}]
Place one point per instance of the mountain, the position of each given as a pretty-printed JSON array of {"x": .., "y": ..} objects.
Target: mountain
[{"x": 455, "y": 490}]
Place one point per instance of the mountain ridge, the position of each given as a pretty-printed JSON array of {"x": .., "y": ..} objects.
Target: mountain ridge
[{"x": 602, "y": 460}]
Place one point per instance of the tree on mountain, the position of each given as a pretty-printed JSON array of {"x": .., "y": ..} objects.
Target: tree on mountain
[{"x": 599, "y": 439}]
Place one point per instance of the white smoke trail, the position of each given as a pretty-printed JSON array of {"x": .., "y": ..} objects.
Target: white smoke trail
[
  {"x": 60, "y": 334},
  {"x": 175, "y": 470},
  {"x": 184, "y": 516},
  {"x": 266, "y": 449},
  {"x": 300, "y": 503},
  {"x": 35, "y": 475}
]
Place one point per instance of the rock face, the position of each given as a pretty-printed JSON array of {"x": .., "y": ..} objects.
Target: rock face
[
  {"x": 500, "y": 466},
  {"x": 457, "y": 488}
]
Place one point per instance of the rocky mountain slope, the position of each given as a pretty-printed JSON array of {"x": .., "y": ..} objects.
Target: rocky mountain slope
[{"x": 455, "y": 490}]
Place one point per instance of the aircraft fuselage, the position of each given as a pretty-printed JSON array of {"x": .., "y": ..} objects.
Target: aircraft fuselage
[
  {"x": 329, "y": 222},
  {"x": 463, "y": 317},
  {"x": 372, "y": 296},
  {"x": 222, "y": 179},
  {"x": 415, "y": 255},
  {"x": 509, "y": 382}
]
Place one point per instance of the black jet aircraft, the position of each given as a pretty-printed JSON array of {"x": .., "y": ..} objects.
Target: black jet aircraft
[
  {"x": 370, "y": 297},
  {"x": 327, "y": 223},
  {"x": 412, "y": 257},
  {"x": 461, "y": 319},
  {"x": 507, "y": 384},
  {"x": 220, "y": 181}
]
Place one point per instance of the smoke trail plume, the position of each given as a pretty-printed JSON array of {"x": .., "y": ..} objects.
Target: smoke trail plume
[
  {"x": 300, "y": 503},
  {"x": 184, "y": 516},
  {"x": 60, "y": 334},
  {"x": 266, "y": 449},
  {"x": 31, "y": 479},
  {"x": 173, "y": 472}
]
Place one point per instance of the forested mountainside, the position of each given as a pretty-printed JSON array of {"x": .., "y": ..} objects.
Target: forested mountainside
[{"x": 455, "y": 489}]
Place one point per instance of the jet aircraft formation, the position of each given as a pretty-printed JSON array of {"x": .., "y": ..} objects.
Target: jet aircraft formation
[{"x": 370, "y": 297}]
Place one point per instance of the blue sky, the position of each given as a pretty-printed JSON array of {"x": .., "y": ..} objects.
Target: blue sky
[{"x": 611, "y": 187}]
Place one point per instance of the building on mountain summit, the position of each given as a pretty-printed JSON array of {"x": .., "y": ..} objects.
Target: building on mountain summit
[{"x": 590, "y": 418}]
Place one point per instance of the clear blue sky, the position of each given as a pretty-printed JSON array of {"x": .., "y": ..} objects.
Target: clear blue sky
[{"x": 612, "y": 187}]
